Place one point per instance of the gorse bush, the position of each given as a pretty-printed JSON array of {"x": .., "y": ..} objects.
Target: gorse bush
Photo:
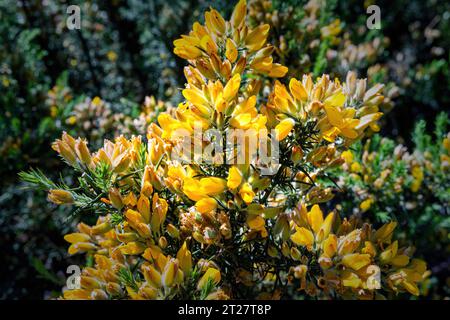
[
  {"x": 171, "y": 225},
  {"x": 411, "y": 187}
]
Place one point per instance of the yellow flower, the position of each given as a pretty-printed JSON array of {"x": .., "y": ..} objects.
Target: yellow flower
[
  {"x": 185, "y": 259},
  {"x": 211, "y": 274},
  {"x": 256, "y": 222},
  {"x": 284, "y": 128},
  {"x": 246, "y": 192},
  {"x": 234, "y": 178},
  {"x": 206, "y": 205},
  {"x": 298, "y": 90},
  {"x": 59, "y": 196},
  {"x": 116, "y": 198},
  {"x": 231, "y": 51},
  {"x": 303, "y": 237},
  {"x": 213, "y": 186},
  {"x": 347, "y": 156},
  {"x": 205, "y": 187},
  {"x": 356, "y": 261},
  {"x": 203, "y": 45},
  {"x": 257, "y": 37},
  {"x": 132, "y": 248},
  {"x": 77, "y": 294},
  {"x": 239, "y": 13},
  {"x": 112, "y": 56},
  {"x": 355, "y": 167},
  {"x": 232, "y": 87},
  {"x": 169, "y": 274},
  {"x": 82, "y": 152},
  {"x": 366, "y": 204},
  {"x": 341, "y": 120}
]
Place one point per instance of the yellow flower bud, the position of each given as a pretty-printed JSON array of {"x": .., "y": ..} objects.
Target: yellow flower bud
[
  {"x": 210, "y": 275},
  {"x": 206, "y": 205},
  {"x": 284, "y": 128},
  {"x": 246, "y": 193},
  {"x": 101, "y": 228},
  {"x": 173, "y": 231},
  {"x": 185, "y": 259},
  {"x": 82, "y": 152},
  {"x": 115, "y": 198},
  {"x": 231, "y": 52},
  {"x": 169, "y": 273},
  {"x": 366, "y": 204},
  {"x": 59, "y": 196},
  {"x": 162, "y": 242},
  {"x": 297, "y": 154}
]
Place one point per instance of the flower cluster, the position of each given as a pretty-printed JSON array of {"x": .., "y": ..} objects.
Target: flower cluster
[
  {"x": 354, "y": 261},
  {"x": 220, "y": 49},
  {"x": 174, "y": 225},
  {"x": 382, "y": 181},
  {"x": 313, "y": 38}
]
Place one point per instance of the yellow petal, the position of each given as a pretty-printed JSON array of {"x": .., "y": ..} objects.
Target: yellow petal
[
  {"x": 411, "y": 287},
  {"x": 195, "y": 96},
  {"x": 231, "y": 52},
  {"x": 336, "y": 100},
  {"x": 206, "y": 205},
  {"x": 151, "y": 275},
  {"x": 213, "y": 186},
  {"x": 277, "y": 70},
  {"x": 81, "y": 247},
  {"x": 350, "y": 279},
  {"x": 303, "y": 237},
  {"x": 298, "y": 90},
  {"x": 220, "y": 104},
  {"x": 334, "y": 116},
  {"x": 132, "y": 248},
  {"x": 255, "y": 222},
  {"x": 284, "y": 128},
  {"x": 184, "y": 257},
  {"x": 241, "y": 121},
  {"x": 330, "y": 245},
  {"x": 246, "y": 193},
  {"x": 169, "y": 273},
  {"x": 232, "y": 87},
  {"x": 325, "y": 228},
  {"x": 143, "y": 207},
  {"x": 331, "y": 134},
  {"x": 187, "y": 52},
  {"x": 211, "y": 274},
  {"x": 218, "y": 21},
  {"x": 389, "y": 253},
  {"x": 234, "y": 178},
  {"x": 367, "y": 120},
  {"x": 349, "y": 133},
  {"x": 385, "y": 232},
  {"x": 257, "y": 37},
  {"x": 400, "y": 260},
  {"x": 76, "y": 237},
  {"x": 239, "y": 14},
  {"x": 148, "y": 292},
  {"x": 369, "y": 248},
  {"x": 356, "y": 261},
  {"x": 152, "y": 253},
  {"x": 193, "y": 189},
  {"x": 76, "y": 294},
  {"x": 315, "y": 218}
]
